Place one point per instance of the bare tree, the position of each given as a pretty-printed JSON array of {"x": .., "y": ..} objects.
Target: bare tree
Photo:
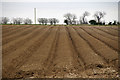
[
  {"x": 70, "y": 17},
  {"x": 14, "y": 21},
  {"x": 5, "y": 20},
  {"x": 55, "y": 21},
  {"x": 27, "y": 21},
  {"x": 17, "y": 20},
  {"x": 51, "y": 21},
  {"x": 73, "y": 20},
  {"x": 43, "y": 20},
  {"x": 80, "y": 20},
  {"x": 84, "y": 21},
  {"x": 115, "y": 22},
  {"x": 98, "y": 15}
]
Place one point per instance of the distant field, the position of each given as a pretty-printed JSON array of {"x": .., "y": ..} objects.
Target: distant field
[{"x": 59, "y": 51}]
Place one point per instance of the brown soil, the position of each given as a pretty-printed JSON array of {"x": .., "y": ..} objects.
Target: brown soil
[{"x": 59, "y": 51}]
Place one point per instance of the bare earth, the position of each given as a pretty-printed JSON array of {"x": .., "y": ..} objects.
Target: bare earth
[{"x": 59, "y": 51}]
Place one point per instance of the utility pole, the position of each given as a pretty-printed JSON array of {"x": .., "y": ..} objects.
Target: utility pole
[{"x": 35, "y": 15}]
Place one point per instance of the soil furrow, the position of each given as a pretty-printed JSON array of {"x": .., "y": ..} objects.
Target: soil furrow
[
  {"x": 41, "y": 60},
  {"x": 81, "y": 34},
  {"x": 107, "y": 31},
  {"x": 112, "y": 44},
  {"x": 50, "y": 59},
  {"x": 63, "y": 52},
  {"x": 78, "y": 56},
  {"x": 20, "y": 41},
  {"x": 18, "y": 60},
  {"x": 115, "y": 28},
  {"x": 18, "y": 35},
  {"x": 102, "y": 50},
  {"x": 63, "y": 63},
  {"x": 25, "y": 46},
  {"x": 48, "y": 63},
  {"x": 43, "y": 51},
  {"x": 11, "y": 32},
  {"x": 88, "y": 55},
  {"x": 104, "y": 34},
  {"x": 7, "y": 28},
  {"x": 55, "y": 72}
]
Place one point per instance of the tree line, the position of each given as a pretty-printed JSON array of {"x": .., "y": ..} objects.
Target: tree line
[
  {"x": 43, "y": 21},
  {"x": 70, "y": 19},
  {"x": 6, "y": 20}
]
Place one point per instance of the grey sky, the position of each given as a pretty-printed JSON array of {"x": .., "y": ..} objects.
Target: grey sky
[
  {"x": 58, "y": 9},
  {"x": 59, "y": 0}
]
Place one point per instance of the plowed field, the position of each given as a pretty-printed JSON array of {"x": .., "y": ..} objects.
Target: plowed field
[{"x": 33, "y": 51}]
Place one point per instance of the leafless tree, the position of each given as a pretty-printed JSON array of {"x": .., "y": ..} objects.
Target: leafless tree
[
  {"x": 80, "y": 20},
  {"x": 74, "y": 22},
  {"x": 14, "y": 21},
  {"x": 27, "y": 21},
  {"x": 84, "y": 21},
  {"x": 43, "y": 20},
  {"x": 74, "y": 19},
  {"x": 17, "y": 20},
  {"x": 4, "y": 20},
  {"x": 98, "y": 15},
  {"x": 70, "y": 17},
  {"x": 51, "y": 21},
  {"x": 55, "y": 21}
]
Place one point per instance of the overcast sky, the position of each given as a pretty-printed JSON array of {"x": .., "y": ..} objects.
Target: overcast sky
[
  {"x": 58, "y": 9},
  {"x": 60, "y": 0}
]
